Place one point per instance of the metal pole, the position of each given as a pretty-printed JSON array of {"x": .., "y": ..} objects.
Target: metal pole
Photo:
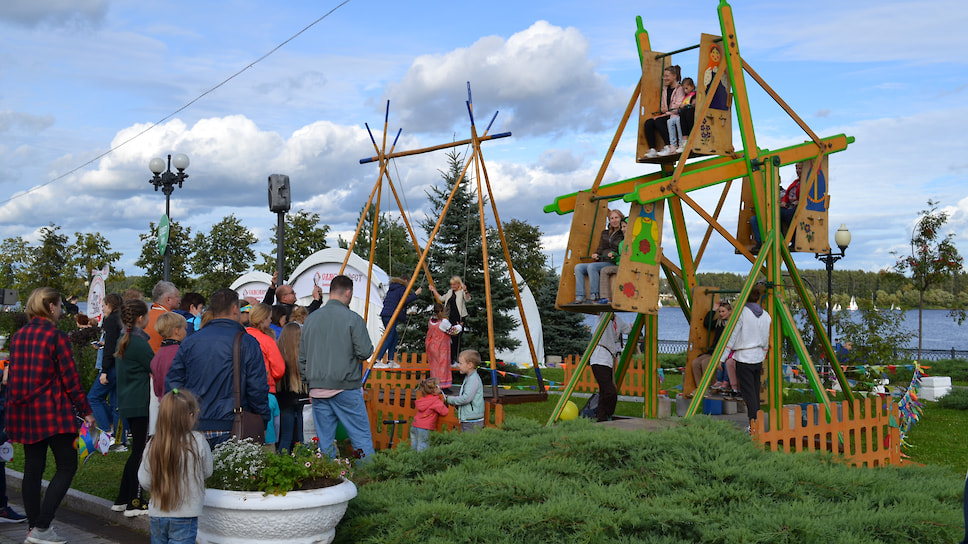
[
  {"x": 280, "y": 244},
  {"x": 830, "y": 278},
  {"x": 167, "y": 260}
]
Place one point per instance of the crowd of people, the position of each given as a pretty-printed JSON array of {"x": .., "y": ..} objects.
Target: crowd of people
[{"x": 177, "y": 355}]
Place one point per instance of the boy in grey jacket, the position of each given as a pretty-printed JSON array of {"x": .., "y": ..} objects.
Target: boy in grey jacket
[{"x": 470, "y": 400}]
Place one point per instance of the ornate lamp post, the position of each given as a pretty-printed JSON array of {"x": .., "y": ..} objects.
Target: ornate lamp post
[
  {"x": 166, "y": 180},
  {"x": 842, "y": 239}
]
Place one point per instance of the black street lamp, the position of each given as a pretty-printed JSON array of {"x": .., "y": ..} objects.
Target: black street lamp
[
  {"x": 166, "y": 180},
  {"x": 842, "y": 239}
]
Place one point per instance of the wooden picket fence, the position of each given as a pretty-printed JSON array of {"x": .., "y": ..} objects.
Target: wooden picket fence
[
  {"x": 864, "y": 437},
  {"x": 390, "y": 395},
  {"x": 398, "y": 404},
  {"x": 633, "y": 384}
]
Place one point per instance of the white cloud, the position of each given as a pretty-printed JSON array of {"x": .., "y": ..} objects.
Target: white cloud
[
  {"x": 541, "y": 79},
  {"x": 58, "y": 12}
]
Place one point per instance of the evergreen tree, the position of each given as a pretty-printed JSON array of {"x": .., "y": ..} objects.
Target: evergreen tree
[
  {"x": 394, "y": 252},
  {"x": 223, "y": 255},
  {"x": 565, "y": 333},
  {"x": 180, "y": 251},
  {"x": 303, "y": 237},
  {"x": 457, "y": 251}
]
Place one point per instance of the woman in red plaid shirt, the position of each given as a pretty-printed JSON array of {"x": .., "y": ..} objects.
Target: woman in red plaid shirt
[{"x": 44, "y": 400}]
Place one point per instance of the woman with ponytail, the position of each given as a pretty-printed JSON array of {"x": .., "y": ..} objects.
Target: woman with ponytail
[{"x": 133, "y": 361}]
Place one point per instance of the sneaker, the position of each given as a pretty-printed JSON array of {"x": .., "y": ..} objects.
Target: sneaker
[
  {"x": 119, "y": 507},
  {"x": 118, "y": 448},
  {"x": 651, "y": 154},
  {"x": 666, "y": 151},
  {"x": 381, "y": 364},
  {"x": 603, "y": 301},
  {"x": 577, "y": 301},
  {"x": 717, "y": 386},
  {"x": 9, "y": 515},
  {"x": 394, "y": 364},
  {"x": 136, "y": 507},
  {"x": 681, "y": 148},
  {"x": 45, "y": 536}
]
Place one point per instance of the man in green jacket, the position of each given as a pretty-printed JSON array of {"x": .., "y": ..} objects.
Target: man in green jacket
[{"x": 333, "y": 344}]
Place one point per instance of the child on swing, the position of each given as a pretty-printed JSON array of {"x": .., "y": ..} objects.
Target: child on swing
[
  {"x": 437, "y": 344},
  {"x": 176, "y": 462},
  {"x": 429, "y": 408}
]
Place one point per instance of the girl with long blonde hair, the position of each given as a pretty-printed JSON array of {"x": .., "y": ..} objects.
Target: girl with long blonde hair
[
  {"x": 174, "y": 469},
  {"x": 291, "y": 392}
]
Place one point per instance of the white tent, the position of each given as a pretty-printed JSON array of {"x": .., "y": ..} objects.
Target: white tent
[
  {"x": 320, "y": 268},
  {"x": 521, "y": 356}
]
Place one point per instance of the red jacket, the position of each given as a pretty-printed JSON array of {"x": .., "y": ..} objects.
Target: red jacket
[
  {"x": 45, "y": 397},
  {"x": 429, "y": 408},
  {"x": 275, "y": 364}
]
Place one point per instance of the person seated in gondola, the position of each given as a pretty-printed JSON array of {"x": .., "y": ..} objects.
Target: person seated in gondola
[{"x": 604, "y": 256}]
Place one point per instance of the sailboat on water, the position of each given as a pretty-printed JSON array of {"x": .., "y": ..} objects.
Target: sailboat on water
[
  {"x": 836, "y": 307},
  {"x": 853, "y": 304}
]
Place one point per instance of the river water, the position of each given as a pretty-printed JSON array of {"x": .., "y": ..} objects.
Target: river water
[{"x": 940, "y": 331}]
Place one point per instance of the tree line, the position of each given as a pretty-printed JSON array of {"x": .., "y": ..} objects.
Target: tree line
[{"x": 206, "y": 261}]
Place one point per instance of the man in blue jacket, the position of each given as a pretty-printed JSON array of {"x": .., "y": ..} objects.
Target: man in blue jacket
[{"x": 203, "y": 365}]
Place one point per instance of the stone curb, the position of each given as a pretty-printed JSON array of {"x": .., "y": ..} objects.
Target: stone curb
[{"x": 82, "y": 502}]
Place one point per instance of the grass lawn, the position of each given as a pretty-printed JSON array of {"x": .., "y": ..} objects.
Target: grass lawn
[{"x": 940, "y": 438}]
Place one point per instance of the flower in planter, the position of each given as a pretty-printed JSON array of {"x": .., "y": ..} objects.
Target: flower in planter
[{"x": 241, "y": 465}]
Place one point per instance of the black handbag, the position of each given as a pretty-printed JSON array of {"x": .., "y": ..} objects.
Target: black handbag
[{"x": 244, "y": 424}]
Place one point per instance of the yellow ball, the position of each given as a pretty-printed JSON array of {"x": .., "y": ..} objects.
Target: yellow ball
[{"x": 570, "y": 411}]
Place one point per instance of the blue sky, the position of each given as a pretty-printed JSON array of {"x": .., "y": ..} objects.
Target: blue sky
[{"x": 82, "y": 76}]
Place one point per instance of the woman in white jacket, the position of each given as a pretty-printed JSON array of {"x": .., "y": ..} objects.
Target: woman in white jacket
[{"x": 746, "y": 349}]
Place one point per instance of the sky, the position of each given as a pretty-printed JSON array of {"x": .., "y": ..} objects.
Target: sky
[{"x": 93, "y": 89}]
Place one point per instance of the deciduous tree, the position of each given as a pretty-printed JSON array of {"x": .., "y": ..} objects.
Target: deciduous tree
[
  {"x": 933, "y": 259},
  {"x": 180, "y": 252},
  {"x": 303, "y": 237},
  {"x": 222, "y": 255}
]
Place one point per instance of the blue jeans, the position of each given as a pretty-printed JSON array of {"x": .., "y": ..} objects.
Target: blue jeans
[
  {"x": 786, "y": 217},
  {"x": 290, "y": 426},
  {"x": 349, "y": 409},
  {"x": 104, "y": 402},
  {"x": 419, "y": 438},
  {"x": 592, "y": 270},
  {"x": 174, "y": 530},
  {"x": 390, "y": 344}
]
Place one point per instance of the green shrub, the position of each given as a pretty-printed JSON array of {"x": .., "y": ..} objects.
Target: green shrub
[
  {"x": 956, "y": 399},
  {"x": 702, "y": 481}
]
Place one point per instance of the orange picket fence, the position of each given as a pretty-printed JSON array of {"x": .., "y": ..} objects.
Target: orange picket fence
[
  {"x": 390, "y": 395},
  {"x": 398, "y": 404},
  {"x": 633, "y": 385},
  {"x": 864, "y": 437}
]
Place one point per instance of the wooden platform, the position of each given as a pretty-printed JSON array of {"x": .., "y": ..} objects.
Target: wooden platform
[{"x": 587, "y": 307}]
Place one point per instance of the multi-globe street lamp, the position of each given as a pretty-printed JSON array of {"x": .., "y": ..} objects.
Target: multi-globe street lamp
[{"x": 165, "y": 179}]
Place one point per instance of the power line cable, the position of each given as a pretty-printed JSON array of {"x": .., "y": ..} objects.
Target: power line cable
[{"x": 176, "y": 112}]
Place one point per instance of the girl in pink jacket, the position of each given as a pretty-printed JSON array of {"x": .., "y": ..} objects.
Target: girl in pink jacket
[{"x": 429, "y": 408}]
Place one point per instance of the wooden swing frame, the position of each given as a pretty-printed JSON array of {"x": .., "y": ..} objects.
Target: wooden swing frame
[{"x": 477, "y": 158}]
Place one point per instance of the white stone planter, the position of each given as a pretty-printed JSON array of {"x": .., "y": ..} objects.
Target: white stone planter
[{"x": 298, "y": 517}]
